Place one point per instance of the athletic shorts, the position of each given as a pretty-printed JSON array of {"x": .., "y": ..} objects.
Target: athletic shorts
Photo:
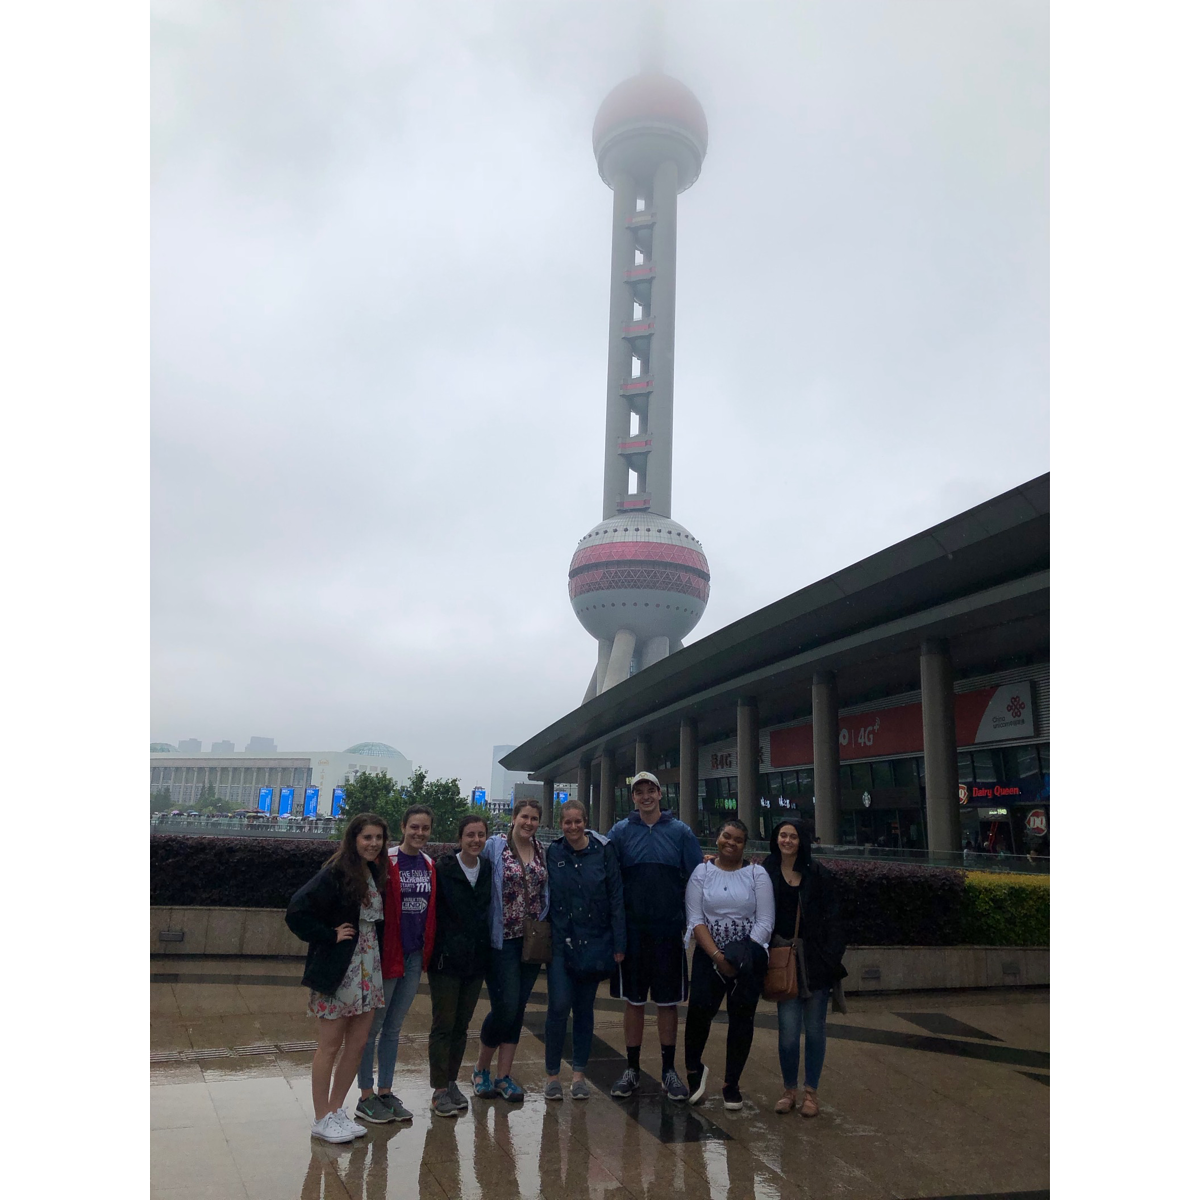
[{"x": 654, "y": 968}]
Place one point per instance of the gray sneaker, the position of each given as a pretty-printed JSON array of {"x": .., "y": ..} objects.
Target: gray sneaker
[
  {"x": 580, "y": 1090},
  {"x": 373, "y": 1109},
  {"x": 675, "y": 1088},
  {"x": 443, "y": 1105},
  {"x": 553, "y": 1090},
  {"x": 627, "y": 1084},
  {"x": 460, "y": 1101},
  {"x": 392, "y": 1103}
]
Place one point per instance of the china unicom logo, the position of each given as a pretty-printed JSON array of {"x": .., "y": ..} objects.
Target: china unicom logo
[{"x": 1016, "y": 706}]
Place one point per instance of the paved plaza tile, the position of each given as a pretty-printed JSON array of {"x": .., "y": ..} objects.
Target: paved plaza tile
[{"x": 923, "y": 1095}]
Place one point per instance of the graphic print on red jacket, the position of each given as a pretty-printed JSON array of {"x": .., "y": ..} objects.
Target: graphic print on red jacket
[{"x": 400, "y": 897}]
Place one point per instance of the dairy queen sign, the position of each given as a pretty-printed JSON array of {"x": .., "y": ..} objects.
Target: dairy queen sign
[{"x": 1036, "y": 823}]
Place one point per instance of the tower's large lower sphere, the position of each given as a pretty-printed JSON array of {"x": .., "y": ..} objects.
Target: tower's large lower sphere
[{"x": 639, "y": 572}]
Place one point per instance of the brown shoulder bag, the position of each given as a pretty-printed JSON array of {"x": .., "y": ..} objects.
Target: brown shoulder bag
[
  {"x": 783, "y": 978},
  {"x": 536, "y": 946}
]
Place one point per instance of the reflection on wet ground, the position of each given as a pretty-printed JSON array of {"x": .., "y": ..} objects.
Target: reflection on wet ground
[{"x": 959, "y": 1110}]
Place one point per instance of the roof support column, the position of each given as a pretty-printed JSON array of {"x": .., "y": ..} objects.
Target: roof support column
[
  {"x": 641, "y": 755},
  {"x": 747, "y": 752},
  {"x": 941, "y": 747},
  {"x": 607, "y": 798},
  {"x": 583, "y": 789},
  {"x": 689, "y": 774},
  {"x": 547, "y": 801},
  {"x": 826, "y": 756}
]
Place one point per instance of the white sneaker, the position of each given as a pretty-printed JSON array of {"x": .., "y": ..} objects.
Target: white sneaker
[
  {"x": 350, "y": 1123},
  {"x": 329, "y": 1129}
]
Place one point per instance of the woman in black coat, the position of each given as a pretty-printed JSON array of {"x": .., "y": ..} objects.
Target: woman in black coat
[
  {"x": 461, "y": 950},
  {"x": 806, "y": 909},
  {"x": 587, "y": 928},
  {"x": 339, "y": 913}
]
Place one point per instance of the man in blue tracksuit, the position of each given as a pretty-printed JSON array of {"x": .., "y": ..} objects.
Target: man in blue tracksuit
[{"x": 658, "y": 854}]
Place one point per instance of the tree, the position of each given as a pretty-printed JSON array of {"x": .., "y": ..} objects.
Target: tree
[
  {"x": 160, "y": 801},
  {"x": 209, "y": 802},
  {"x": 381, "y": 795}
]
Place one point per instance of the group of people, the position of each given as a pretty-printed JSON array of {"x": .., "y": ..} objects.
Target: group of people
[{"x": 625, "y": 907}]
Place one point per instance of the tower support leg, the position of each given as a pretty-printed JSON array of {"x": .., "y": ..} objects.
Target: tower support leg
[{"x": 623, "y": 647}]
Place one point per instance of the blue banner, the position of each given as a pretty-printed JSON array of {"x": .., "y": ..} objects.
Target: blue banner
[
  {"x": 265, "y": 795},
  {"x": 479, "y": 795},
  {"x": 285, "y": 800},
  {"x": 311, "y": 795},
  {"x": 339, "y": 798}
]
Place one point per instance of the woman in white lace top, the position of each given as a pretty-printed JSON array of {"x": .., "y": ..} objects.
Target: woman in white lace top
[{"x": 730, "y": 913}]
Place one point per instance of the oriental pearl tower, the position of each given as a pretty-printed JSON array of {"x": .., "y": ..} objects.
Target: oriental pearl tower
[{"x": 639, "y": 581}]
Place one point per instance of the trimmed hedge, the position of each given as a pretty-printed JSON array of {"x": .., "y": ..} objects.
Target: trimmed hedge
[
  {"x": 883, "y": 904},
  {"x": 232, "y": 872}
]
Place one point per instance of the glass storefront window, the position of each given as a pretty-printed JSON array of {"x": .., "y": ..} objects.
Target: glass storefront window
[
  {"x": 966, "y": 773},
  {"x": 1044, "y": 755},
  {"x": 904, "y": 772},
  {"x": 774, "y": 786},
  {"x": 860, "y": 777},
  {"x": 844, "y": 778},
  {"x": 804, "y": 781},
  {"x": 789, "y": 788},
  {"x": 881, "y": 775},
  {"x": 986, "y": 766},
  {"x": 1026, "y": 762}
]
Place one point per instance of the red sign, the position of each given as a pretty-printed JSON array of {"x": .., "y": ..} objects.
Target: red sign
[
  {"x": 964, "y": 793},
  {"x": 988, "y": 714},
  {"x": 1036, "y": 823}
]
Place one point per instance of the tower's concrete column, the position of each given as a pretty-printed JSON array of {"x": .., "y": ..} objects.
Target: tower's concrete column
[
  {"x": 641, "y": 755},
  {"x": 607, "y": 805},
  {"x": 689, "y": 774},
  {"x": 603, "y": 654},
  {"x": 653, "y": 649},
  {"x": 620, "y": 309},
  {"x": 941, "y": 747},
  {"x": 826, "y": 756},
  {"x": 662, "y": 348},
  {"x": 747, "y": 751},
  {"x": 618, "y": 661}
]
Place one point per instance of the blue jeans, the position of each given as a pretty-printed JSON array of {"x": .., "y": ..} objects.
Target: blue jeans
[
  {"x": 568, "y": 994},
  {"x": 397, "y": 999},
  {"x": 509, "y": 982},
  {"x": 810, "y": 1015}
]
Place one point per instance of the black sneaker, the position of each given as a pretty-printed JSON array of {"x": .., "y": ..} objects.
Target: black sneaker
[
  {"x": 372, "y": 1108},
  {"x": 695, "y": 1084},
  {"x": 731, "y": 1096},
  {"x": 460, "y": 1101},
  {"x": 627, "y": 1084},
  {"x": 443, "y": 1105}
]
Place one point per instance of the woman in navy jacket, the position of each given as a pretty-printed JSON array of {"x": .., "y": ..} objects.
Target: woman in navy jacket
[{"x": 587, "y": 924}]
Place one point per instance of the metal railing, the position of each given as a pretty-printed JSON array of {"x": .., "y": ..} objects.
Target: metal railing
[{"x": 307, "y": 828}]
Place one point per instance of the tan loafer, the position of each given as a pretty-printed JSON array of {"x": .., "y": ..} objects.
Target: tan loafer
[
  {"x": 786, "y": 1102},
  {"x": 809, "y": 1107}
]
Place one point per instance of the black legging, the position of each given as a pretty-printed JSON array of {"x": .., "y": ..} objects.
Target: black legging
[{"x": 709, "y": 988}]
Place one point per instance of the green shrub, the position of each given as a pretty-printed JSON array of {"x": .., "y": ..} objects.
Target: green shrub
[{"x": 1006, "y": 910}]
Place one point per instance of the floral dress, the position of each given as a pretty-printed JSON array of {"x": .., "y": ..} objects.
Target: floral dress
[
  {"x": 361, "y": 989},
  {"x": 520, "y": 891}
]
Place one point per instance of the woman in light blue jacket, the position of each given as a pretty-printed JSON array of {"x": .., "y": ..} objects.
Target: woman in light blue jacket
[{"x": 520, "y": 889}]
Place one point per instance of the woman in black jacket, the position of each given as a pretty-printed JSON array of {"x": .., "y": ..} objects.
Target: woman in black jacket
[
  {"x": 461, "y": 951},
  {"x": 806, "y": 909},
  {"x": 587, "y": 927},
  {"x": 339, "y": 913}
]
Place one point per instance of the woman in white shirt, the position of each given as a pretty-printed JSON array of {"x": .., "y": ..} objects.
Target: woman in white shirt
[{"x": 730, "y": 913}]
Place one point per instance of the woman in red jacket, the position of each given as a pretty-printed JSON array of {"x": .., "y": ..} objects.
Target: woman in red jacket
[{"x": 408, "y": 931}]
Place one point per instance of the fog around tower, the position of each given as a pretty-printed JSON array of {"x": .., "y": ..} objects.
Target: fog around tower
[{"x": 380, "y": 273}]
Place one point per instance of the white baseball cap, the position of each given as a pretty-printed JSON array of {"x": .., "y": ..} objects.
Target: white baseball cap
[{"x": 644, "y": 776}]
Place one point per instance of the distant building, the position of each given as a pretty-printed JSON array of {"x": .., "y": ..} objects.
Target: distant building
[
  {"x": 161, "y": 748},
  {"x": 241, "y": 778},
  {"x": 258, "y": 745},
  {"x": 222, "y": 748},
  {"x": 190, "y": 746},
  {"x": 500, "y": 793}
]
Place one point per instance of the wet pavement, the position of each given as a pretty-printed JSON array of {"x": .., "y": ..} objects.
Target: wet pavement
[{"x": 923, "y": 1094}]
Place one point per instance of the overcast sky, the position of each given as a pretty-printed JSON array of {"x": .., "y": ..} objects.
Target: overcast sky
[{"x": 380, "y": 293}]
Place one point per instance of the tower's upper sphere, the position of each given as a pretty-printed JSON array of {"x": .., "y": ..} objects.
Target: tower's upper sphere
[
  {"x": 639, "y": 572},
  {"x": 645, "y": 120}
]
